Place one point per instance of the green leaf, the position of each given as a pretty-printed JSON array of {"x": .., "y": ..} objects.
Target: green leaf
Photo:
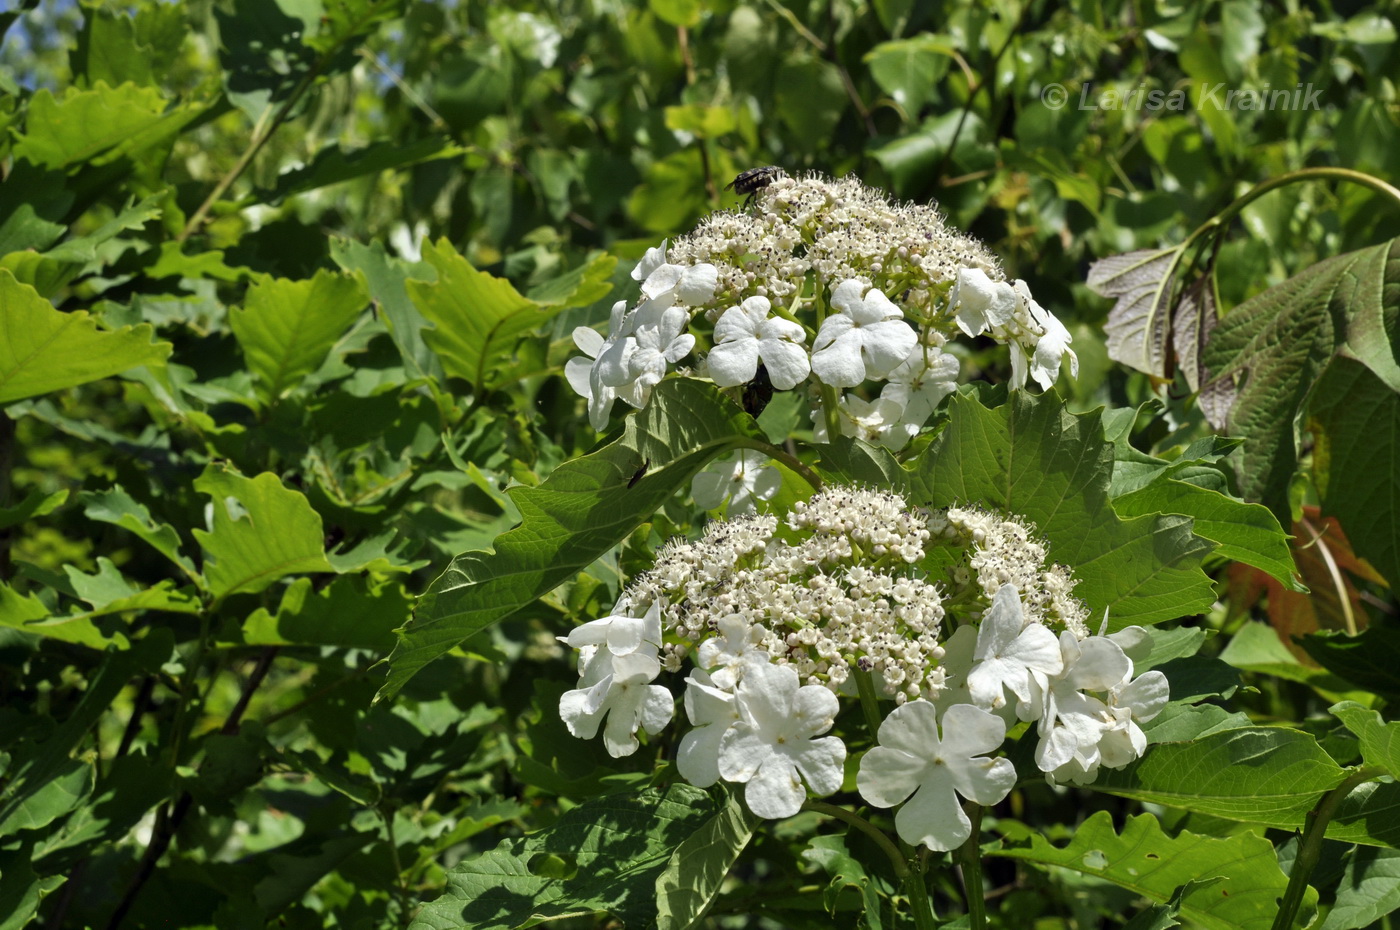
[
  {"x": 1032, "y": 457},
  {"x": 61, "y": 792},
  {"x": 1271, "y": 776},
  {"x": 602, "y": 857},
  {"x": 586, "y": 284},
  {"x": 117, "y": 48},
  {"x": 699, "y": 866},
  {"x": 120, "y": 508},
  {"x": 262, "y": 531},
  {"x": 35, "y": 766},
  {"x": 33, "y": 205},
  {"x": 1247, "y": 533},
  {"x": 1256, "y": 647},
  {"x": 351, "y": 612},
  {"x": 48, "y": 272},
  {"x": 909, "y": 70},
  {"x": 1370, "y": 814},
  {"x": 1356, "y": 419},
  {"x": 476, "y": 317},
  {"x": 1380, "y": 741},
  {"x": 287, "y": 327},
  {"x": 1163, "y": 916},
  {"x": 1370, "y": 661},
  {"x": 333, "y": 164},
  {"x": 830, "y": 852},
  {"x": 43, "y": 350},
  {"x": 1370, "y": 889},
  {"x": 98, "y": 126},
  {"x": 387, "y": 278},
  {"x": 1151, "y": 864},
  {"x": 35, "y": 504},
  {"x": 582, "y": 510},
  {"x": 28, "y": 614},
  {"x": 1282, "y": 340}
]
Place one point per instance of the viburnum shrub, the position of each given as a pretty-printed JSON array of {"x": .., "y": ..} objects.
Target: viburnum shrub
[{"x": 889, "y": 606}]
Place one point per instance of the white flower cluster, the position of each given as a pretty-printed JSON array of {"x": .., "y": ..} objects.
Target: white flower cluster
[
  {"x": 824, "y": 283},
  {"x": 781, "y": 621}
]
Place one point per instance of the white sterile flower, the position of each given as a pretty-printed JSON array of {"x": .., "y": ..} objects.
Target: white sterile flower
[
  {"x": 1131, "y": 704},
  {"x": 712, "y": 710},
  {"x": 981, "y": 303},
  {"x": 1072, "y": 722},
  {"x": 614, "y": 360},
  {"x": 743, "y": 478},
  {"x": 626, "y": 697},
  {"x": 919, "y": 385},
  {"x": 657, "y": 348},
  {"x": 871, "y": 420},
  {"x": 725, "y": 655},
  {"x": 745, "y": 334},
  {"x": 1011, "y": 655},
  {"x": 1053, "y": 344},
  {"x": 913, "y": 758},
  {"x": 652, "y": 260},
  {"x": 692, "y": 285},
  {"x": 772, "y": 747},
  {"x": 623, "y": 635},
  {"x": 585, "y": 376},
  {"x": 866, "y": 338}
]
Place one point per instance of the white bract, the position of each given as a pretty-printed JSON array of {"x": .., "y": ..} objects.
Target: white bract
[
  {"x": 624, "y": 695},
  {"x": 866, "y": 338},
  {"x": 712, "y": 710},
  {"x": 914, "y": 758},
  {"x": 743, "y": 478},
  {"x": 585, "y": 376},
  {"x": 1011, "y": 655},
  {"x": 746, "y": 334},
  {"x": 773, "y": 747}
]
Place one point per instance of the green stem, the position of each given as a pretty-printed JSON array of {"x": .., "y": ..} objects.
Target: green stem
[
  {"x": 869, "y": 703},
  {"x": 1293, "y": 177},
  {"x": 971, "y": 855},
  {"x": 779, "y": 454},
  {"x": 897, "y": 860},
  {"x": 917, "y": 889},
  {"x": 833, "y": 415},
  {"x": 1310, "y": 849}
]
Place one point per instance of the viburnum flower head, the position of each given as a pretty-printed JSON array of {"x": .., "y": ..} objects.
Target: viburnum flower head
[{"x": 915, "y": 758}]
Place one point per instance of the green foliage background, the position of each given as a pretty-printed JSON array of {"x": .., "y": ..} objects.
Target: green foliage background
[{"x": 286, "y": 288}]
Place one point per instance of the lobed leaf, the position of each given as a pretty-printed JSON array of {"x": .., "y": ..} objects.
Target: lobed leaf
[
  {"x": 581, "y": 511},
  {"x": 1139, "y": 325},
  {"x": 1270, "y": 776},
  {"x": 700, "y": 864},
  {"x": 268, "y": 532},
  {"x": 606, "y": 857},
  {"x": 285, "y": 328},
  {"x": 43, "y": 350},
  {"x": 1032, "y": 457},
  {"x": 1279, "y": 343},
  {"x": 1149, "y": 863}
]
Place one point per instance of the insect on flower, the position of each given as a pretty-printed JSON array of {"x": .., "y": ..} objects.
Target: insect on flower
[{"x": 754, "y": 180}]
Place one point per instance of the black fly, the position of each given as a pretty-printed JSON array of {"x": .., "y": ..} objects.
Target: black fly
[
  {"x": 754, "y": 180},
  {"x": 639, "y": 473},
  {"x": 758, "y": 392}
]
